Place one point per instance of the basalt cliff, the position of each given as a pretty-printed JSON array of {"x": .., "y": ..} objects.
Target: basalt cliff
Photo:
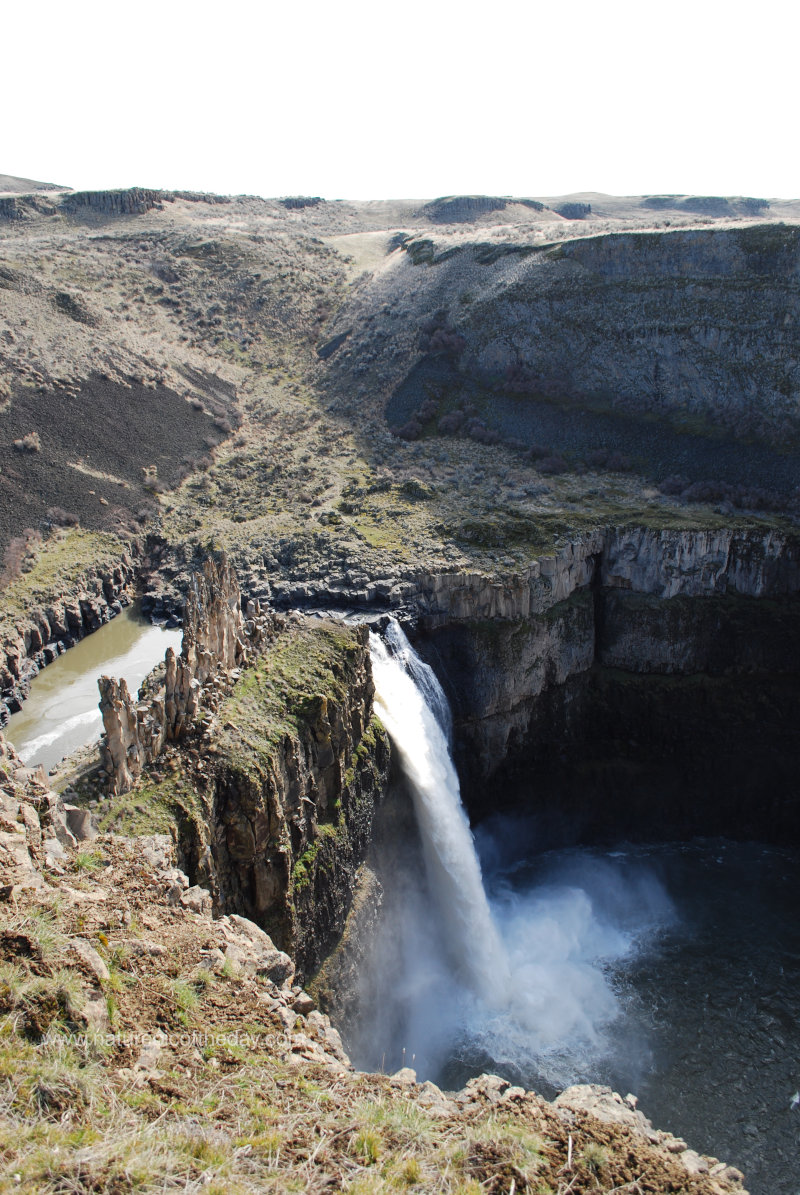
[{"x": 559, "y": 442}]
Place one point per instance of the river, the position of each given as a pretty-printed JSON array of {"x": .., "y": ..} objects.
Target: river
[{"x": 62, "y": 712}]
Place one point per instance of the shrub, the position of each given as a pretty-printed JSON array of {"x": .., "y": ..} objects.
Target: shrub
[
  {"x": 598, "y": 459},
  {"x": 742, "y": 496},
  {"x": 451, "y": 423},
  {"x": 409, "y": 431},
  {"x": 437, "y": 335},
  {"x": 58, "y": 517},
  {"x": 19, "y": 554},
  {"x": 30, "y": 443},
  {"x": 705, "y": 491},
  {"x": 553, "y": 464},
  {"x": 477, "y": 430},
  {"x": 619, "y": 462},
  {"x": 673, "y": 485}
]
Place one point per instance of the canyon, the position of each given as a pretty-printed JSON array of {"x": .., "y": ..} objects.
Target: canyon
[{"x": 561, "y": 452}]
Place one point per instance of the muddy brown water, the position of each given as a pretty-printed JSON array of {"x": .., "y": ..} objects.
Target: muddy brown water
[{"x": 62, "y": 713}]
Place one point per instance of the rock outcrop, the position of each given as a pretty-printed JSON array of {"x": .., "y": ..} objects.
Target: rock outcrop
[
  {"x": 134, "y": 201},
  {"x": 217, "y": 639},
  {"x": 291, "y": 813},
  {"x": 37, "y": 826},
  {"x": 631, "y": 660},
  {"x": 23, "y": 207},
  {"x": 281, "y": 710},
  {"x": 686, "y": 325},
  {"x": 662, "y": 563},
  {"x": 610, "y": 1108}
]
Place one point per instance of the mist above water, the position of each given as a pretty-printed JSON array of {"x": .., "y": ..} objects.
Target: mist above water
[
  {"x": 463, "y": 977},
  {"x": 672, "y": 970}
]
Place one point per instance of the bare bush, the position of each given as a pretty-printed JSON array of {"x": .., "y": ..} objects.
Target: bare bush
[
  {"x": 58, "y": 517},
  {"x": 451, "y": 423},
  {"x": 30, "y": 443},
  {"x": 741, "y": 496},
  {"x": 19, "y": 555},
  {"x": 552, "y": 464},
  {"x": 477, "y": 430},
  {"x": 437, "y": 335},
  {"x": 412, "y": 430},
  {"x": 673, "y": 485},
  {"x": 618, "y": 462},
  {"x": 597, "y": 459}
]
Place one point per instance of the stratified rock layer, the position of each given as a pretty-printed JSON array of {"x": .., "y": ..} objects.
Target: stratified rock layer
[
  {"x": 291, "y": 814},
  {"x": 637, "y": 682}
]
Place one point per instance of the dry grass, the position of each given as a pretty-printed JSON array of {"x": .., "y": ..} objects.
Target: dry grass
[{"x": 230, "y": 1104}]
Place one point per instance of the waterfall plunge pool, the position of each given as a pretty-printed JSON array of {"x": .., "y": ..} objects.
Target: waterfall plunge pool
[
  {"x": 62, "y": 712},
  {"x": 671, "y": 971}
]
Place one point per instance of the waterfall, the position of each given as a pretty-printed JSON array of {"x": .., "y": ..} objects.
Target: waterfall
[{"x": 415, "y": 712}]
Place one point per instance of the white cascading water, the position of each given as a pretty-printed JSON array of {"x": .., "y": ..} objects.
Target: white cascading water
[
  {"x": 415, "y": 712},
  {"x": 518, "y": 981}
]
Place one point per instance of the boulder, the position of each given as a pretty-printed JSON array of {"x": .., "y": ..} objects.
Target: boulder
[
  {"x": 90, "y": 959},
  {"x": 80, "y": 823},
  {"x": 197, "y": 900},
  {"x": 303, "y": 1004},
  {"x": 250, "y": 949}
]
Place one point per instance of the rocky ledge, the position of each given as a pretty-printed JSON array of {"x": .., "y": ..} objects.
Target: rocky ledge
[
  {"x": 146, "y": 1037},
  {"x": 627, "y": 663},
  {"x": 662, "y": 563}
]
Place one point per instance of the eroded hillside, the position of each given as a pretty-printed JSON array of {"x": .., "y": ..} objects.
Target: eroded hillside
[
  {"x": 544, "y": 371},
  {"x": 559, "y": 434}
]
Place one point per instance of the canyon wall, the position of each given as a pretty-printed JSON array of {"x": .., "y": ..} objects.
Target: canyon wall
[
  {"x": 217, "y": 641},
  {"x": 639, "y": 682},
  {"x": 290, "y": 766},
  {"x": 35, "y": 639},
  {"x": 294, "y": 788},
  {"x": 689, "y": 325},
  {"x": 701, "y": 322}
]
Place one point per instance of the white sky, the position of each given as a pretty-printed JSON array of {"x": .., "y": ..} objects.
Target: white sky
[{"x": 363, "y": 100}]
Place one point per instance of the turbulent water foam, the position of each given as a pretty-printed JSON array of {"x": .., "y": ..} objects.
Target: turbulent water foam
[
  {"x": 597, "y": 977},
  {"x": 518, "y": 980},
  {"x": 90, "y": 720}
]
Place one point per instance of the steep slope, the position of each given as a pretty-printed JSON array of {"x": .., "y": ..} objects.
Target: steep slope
[{"x": 11, "y": 185}]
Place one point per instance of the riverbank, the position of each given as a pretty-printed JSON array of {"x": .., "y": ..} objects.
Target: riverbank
[
  {"x": 62, "y": 712},
  {"x": 72, "y": 583}
]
